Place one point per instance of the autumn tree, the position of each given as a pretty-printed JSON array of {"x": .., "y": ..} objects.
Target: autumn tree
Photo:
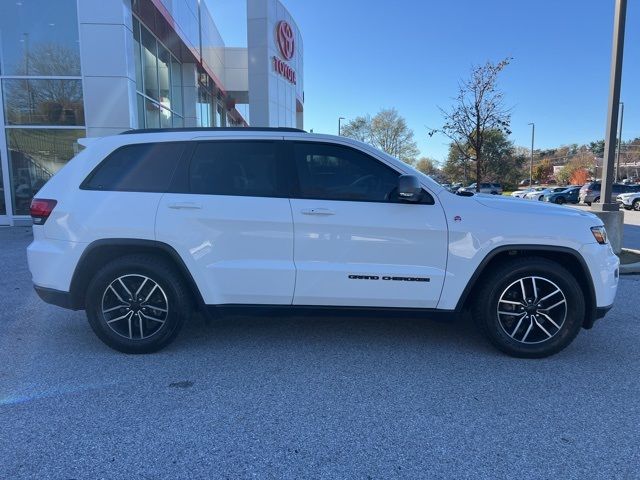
[
  {"x": 427, "y": 166},
  {"x": 478, "y": 109},
  {"x": 543, "y": 170},
  {"x": 388, "y": 131}
]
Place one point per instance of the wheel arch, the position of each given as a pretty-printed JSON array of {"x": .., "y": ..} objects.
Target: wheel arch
[
  {"x": 100, "y": 252},
  {"x": 567, "y": 257}
]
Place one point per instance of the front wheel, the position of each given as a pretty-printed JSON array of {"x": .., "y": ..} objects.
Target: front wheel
[
  {"x": 137, "y": 304},
  {"x": 636, "y": 205},
  {"x": 530, "y": 307},
  {"x": 560, "y": 200}
]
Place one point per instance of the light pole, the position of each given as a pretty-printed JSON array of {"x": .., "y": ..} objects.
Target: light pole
[
  {"x": 339, "y": 120},
  {"x": 533, "y": 135},
  {"x": 619, "y": 142}
]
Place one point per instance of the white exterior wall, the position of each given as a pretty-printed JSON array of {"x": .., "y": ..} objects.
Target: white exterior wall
[
  {"x": 107, "y": 64},
  {"x": 272, "y": 98}
]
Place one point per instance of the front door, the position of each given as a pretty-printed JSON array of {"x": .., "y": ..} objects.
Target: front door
[
  {"x": 357, "y": 245},
  {"x": 230, "y": 220}
]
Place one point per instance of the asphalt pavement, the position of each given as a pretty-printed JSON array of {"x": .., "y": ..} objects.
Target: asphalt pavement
[{"x": 310, "y": 398}]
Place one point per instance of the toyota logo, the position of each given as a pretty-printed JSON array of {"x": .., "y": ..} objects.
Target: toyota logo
[{"x": 286, "y": 44}]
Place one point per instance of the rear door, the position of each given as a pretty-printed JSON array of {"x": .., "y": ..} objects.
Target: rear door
[
  {"x": 229, "y": 217},
  {"x": 355, "y": 243}
]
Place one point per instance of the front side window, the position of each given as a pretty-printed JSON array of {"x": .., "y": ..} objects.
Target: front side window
[
  {"x": 334, "y": 172},
  {"x": 245, "y": 168},
  {"x": 145, "y": 167}
]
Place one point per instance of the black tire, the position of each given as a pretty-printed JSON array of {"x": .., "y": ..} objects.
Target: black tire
[
  {"x": 636, "y": 205},
  {"x": 171, "y": 288},
  {"x": 485, "y": 309},
  {"x": 560, "y": 200},
  {"x": 541, "y": 198}
]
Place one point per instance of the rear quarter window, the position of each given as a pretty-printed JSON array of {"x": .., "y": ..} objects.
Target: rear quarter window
[{"x": 144, "y": 167}]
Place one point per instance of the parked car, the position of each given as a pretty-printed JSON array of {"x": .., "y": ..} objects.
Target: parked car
[
  {"x": 590, "y": 192},
  {"x": 630, "y": 201},
  {"x": 492, "y": 188},
  {"x": 539, "y": 193},
  {"x": 143, "y": 228},
  {"x": 568, "y": 195},
  {"x": 522, "y": 193}
]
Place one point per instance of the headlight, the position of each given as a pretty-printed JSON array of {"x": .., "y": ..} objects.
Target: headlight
[{"x": 600, "y": 234}]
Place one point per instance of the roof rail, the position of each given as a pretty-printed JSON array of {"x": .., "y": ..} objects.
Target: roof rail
[{"x": 213, "y": 129}]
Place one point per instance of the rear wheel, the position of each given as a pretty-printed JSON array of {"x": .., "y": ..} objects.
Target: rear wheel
[
  {"x": 137, "y": 304},
  {"x": 596, "y": 200},
  {"x": 530, "y": 307},
  {"x": 636, "y": 205}
]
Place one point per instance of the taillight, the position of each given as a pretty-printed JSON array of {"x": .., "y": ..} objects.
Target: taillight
[{"x": 40, "y": 210}]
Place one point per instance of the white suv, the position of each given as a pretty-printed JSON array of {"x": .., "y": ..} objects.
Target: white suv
[
  {"x": 630, "y": 201},
  {"x": 141, "y": 229}
]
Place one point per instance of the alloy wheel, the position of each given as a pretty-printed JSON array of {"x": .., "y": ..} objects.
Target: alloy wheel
[
  {"x": 532, "y": 310},
  {"x": 134, "y": 306},
  {"x": 636, "y": 205}
]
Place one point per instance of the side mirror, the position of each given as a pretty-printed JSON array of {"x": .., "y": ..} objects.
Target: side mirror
[{"x": 409, "y": 188}]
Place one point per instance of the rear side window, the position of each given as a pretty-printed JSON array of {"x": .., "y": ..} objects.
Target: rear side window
[
  {"x": 145, "y": 167},
  {"x": 241, "y": 168}
]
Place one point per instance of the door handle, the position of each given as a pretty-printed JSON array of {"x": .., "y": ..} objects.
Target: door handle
[
  {"x": 185, "y": 206},
  {"x": 317, "y": 211}
]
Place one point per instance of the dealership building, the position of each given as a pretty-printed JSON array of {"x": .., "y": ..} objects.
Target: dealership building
[{"x": 89, "y": 68}]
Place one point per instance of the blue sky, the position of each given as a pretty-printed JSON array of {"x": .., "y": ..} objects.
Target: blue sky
[{"x": 361, "y": 56}]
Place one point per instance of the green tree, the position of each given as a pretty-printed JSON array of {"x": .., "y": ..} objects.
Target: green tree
[{"x": 503, "y": 162}]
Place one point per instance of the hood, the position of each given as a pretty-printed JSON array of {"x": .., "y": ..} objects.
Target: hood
[{"x": 511, "y": 204}]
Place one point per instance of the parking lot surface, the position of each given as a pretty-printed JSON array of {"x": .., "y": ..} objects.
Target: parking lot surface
[{"x": 310, "y": 398}]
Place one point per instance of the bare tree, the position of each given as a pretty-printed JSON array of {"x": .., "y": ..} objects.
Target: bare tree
[
  {"x": 359, "y": 129},
  {"x": 387, "y": 131},
  {"x": 478, "y": 109}
]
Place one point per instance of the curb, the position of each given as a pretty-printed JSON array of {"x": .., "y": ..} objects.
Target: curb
[{"x": 630, "y": 268}]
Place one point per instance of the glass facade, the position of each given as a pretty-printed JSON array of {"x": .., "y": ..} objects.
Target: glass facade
[
  {"x": 39, "y": 37},
  {"x": 42, "y": 100},
  {"x": 34, "y": 156},
  {"x": 158, "y": 81}
]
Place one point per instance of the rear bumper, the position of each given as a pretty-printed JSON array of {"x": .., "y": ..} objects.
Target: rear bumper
[{"x": 55, "y": 297}]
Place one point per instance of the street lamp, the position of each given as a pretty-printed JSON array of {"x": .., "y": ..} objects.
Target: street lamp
[
  {"x": 533, "y": 134},
  {"x": 339, "y": 120},
  {"x": 619, "y": 142}
]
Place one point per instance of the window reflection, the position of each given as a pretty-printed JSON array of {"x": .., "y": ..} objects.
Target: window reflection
[
  {"x": 43, "y": 102},
  {"x": 39, "y": 37},
  {"x": 3, "y": 206},
  {"x": 35, "y": 155},
  {"x": 158, "y": 81}
]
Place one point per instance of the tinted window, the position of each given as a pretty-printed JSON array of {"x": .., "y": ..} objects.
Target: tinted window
[
  {"x": 333, "y": 172},
  {"x": 248, "y": 168},
  {"x": 146, "y": 167}
]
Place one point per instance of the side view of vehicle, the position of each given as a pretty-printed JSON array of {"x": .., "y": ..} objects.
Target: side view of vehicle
[
  {"x": 539, "y": 194},
  {"x": 630, "y": 201},
  {"x": 142, "y": 229},
  {"x": 491, "y": 188},
  {"x": 567, "y": 195},
  {"x": 590, "y": 192}
]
